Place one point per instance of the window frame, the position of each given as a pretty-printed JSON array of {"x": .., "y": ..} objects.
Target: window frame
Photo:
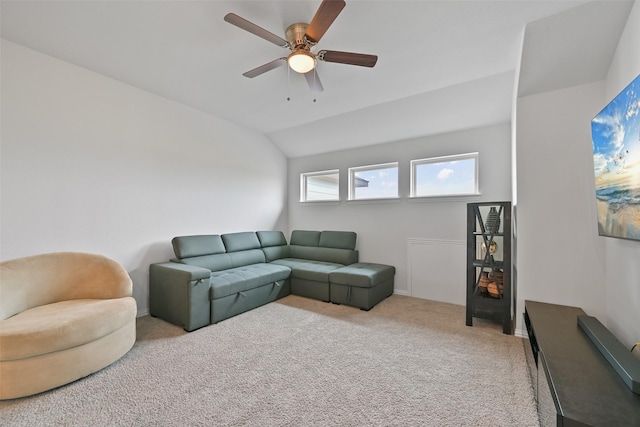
[
  {"x": 304, "y": 185},
  {"x": 444, "y": 159},
  {"x": 353, "y": 170}
]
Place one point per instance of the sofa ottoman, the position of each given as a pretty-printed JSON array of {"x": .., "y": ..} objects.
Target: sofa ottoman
[{"x": 361, "y": 285}]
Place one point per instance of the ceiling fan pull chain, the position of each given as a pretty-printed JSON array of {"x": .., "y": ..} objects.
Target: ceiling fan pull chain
[
  {"x": 315, "y": 77},
  {"x": 288, "y": 80}
]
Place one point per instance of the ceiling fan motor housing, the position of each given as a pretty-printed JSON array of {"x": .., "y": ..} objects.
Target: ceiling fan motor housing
[{"x": 295, "y": 34}]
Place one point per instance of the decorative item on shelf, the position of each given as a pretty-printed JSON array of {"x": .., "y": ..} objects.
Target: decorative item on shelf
[
  {"x": 483, "y": 282},
  {"x": 492, "y": 223},
  {"x": 493, "y": 248},
  {"x": 492, "y": 288},
  {"x": 497, "y": 275},
  {"x": 496, "y": 286}
]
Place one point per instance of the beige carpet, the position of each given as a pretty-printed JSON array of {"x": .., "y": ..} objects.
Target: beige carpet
[{"x": 301, "y": 362}]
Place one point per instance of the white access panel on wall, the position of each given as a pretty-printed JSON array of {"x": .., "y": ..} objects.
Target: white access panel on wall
[{"x": 436, "y": 269}]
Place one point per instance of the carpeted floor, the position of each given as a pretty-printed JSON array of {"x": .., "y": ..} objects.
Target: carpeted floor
[{"x": 301, "y": 362}]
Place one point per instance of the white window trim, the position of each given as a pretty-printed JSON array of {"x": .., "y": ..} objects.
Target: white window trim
[
  {"x": 441, "y": 159},
  {"x": 352, "y": 188},
  {"x": 303, "y": 185}
]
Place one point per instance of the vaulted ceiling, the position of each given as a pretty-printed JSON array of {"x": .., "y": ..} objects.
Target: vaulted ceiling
[{"x": 443, "y": 65}]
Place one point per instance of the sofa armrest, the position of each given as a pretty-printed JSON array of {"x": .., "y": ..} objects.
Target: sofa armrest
[{"x": 179, "y": 293}]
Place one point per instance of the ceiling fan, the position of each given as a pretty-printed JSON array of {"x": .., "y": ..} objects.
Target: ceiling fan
[{"x": 301, "y": 39}]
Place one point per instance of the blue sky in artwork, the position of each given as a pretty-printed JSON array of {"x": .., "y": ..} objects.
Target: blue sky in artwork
[{"x": 616, "y": 138}]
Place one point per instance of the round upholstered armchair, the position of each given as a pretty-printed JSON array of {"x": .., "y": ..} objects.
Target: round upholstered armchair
[{"x": 63, "y": 316}]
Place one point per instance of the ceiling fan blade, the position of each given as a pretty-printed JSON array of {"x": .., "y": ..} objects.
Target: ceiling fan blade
[
  {"x": 266, "y": 67},
  {"x": 360, "y": 59},
  {"x": 313, "y": 81},
  {"x": 324, "y": 17},
  {"x": 240, "y": 22}
]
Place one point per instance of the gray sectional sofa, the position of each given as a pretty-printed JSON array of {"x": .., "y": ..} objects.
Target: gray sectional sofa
[
  {"x": 214, "y": 277},
  {"x": 313, "y": 255}
]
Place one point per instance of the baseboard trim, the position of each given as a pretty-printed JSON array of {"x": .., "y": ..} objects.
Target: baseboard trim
[
  {"x": 143, "y": 312},
  {"x": 522, "y": 333},
  {"x": 398, "y": 292}
]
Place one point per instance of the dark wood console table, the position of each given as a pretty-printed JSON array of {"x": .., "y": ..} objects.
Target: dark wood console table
[{"x": 573, "y": 383}]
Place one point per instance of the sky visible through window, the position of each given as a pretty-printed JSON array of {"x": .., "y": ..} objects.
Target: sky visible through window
[
  {"x": 455, "y": 175},
  {"x": 443, "y": 178},
  {"x": 382, "y": 183}
]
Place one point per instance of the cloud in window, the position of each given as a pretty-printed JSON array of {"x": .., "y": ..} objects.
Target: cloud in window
[{"x": 445, "y": 174}]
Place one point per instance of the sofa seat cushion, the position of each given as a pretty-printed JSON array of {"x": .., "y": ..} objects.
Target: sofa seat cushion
[
  {"x": 239, "y": 279},
  {"x": 309, "y": 269},
  {"x": 62, "y": 325},
  {"x": 362, "y": 274}
]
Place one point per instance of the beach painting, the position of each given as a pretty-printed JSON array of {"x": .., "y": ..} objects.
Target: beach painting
[{"x": 616, "y": 159}]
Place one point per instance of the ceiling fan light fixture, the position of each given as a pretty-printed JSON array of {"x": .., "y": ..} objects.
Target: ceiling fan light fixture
[{"x": 301, "y": 61}]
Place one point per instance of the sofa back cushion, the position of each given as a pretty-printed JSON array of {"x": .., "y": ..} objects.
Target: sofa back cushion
[
  {"x": 234, "y": 242},
  {"x": 271, "y": 238},
  {"x": 225, "y": 261},
  {"x": 338, "y": 239},
  {"x": 251, "y": 256},
  {"x": 337, "y": 256},
  {"x": 274, "y": 245},
  {"x": 329, "y": 246},
  {"x": 217, "y": 253},
  {"x": 214, "y": 262},
  {"x": 305, "y": 238},
  {"x": 196, "y": 246},
  {"x": 273, "y": 253}
]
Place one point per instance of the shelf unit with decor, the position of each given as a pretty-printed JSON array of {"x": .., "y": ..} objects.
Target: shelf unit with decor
[{"x": 489, "y": 288}]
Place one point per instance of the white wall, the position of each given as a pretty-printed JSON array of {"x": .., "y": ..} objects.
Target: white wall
[
  {"x": 560, "y": 257},
  {"x": 384, "y": 227},
  {"x": 622, "y": 280},
  {"x": 91, "y": 164}
]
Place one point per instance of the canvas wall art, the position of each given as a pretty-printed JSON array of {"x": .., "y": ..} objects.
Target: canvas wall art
[{"x": 616, "y": 158}]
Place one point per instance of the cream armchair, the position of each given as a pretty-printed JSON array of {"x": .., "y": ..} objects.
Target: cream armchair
[{"x": 63, "y": 316}]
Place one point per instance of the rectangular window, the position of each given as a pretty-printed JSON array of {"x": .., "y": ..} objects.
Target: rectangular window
[
  {"x": 373, "y": 182},
  {"x": 318, "y": 186},
  {"x": 445, "y": 176}
]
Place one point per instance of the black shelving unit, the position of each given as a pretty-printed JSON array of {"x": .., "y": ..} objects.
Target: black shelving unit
[{"x": 489, "y": 287}]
